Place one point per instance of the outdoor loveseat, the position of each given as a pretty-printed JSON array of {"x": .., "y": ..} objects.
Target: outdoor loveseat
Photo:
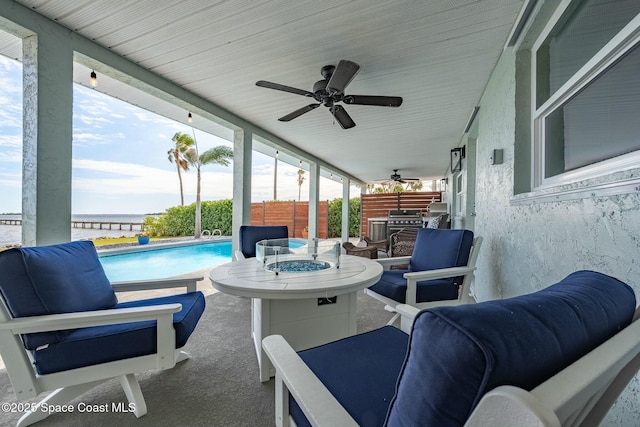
[{"x": 557, "y": 357}]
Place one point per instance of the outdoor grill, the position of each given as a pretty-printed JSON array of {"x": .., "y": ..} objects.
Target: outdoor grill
[{"x": 399, "y": 219}]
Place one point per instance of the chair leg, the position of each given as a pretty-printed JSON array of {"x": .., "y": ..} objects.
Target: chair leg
[
  {"x": 134, "y": 395},
  {"x": 282, "y": 402},
  {"x": 59, "y": 397},
  {"x": 181, "y": 356},
  {"x": 395, "y": 321}
]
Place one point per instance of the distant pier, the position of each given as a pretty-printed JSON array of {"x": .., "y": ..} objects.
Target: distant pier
[
  {"x": 107, "y": 225},
  {"x": 99, "y": 225}
]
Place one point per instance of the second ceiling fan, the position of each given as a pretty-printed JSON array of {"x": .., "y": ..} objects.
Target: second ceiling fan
[
  {"x": 396, "y": 177},
  {"x": 330, "y": 91}
]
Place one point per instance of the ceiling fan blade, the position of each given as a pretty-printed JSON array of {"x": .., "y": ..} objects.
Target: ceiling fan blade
[
  {"x": 381, "y": 101},
  {"x": 342, "y": 117},
  {"x": 298, "y": 112},
  {"x": 276, "y": 86},
  {"x": 342, "y": 76}
]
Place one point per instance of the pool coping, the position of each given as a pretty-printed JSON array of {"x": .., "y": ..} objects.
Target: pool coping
[{"x": 155, "y": 246}]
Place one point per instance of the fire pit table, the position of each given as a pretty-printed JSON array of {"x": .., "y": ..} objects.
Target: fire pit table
[{"x": 307, "y": 295}]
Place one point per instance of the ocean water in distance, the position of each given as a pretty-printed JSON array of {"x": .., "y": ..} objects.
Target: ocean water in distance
[{"x": 12, "y": 234}]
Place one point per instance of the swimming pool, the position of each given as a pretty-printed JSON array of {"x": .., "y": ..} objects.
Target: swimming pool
[
  {"x": 159, "y": 262},
  {"x": 165, "y": 262}
]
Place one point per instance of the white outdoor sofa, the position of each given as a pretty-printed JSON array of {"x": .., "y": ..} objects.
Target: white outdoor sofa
[{"x": 557, "y": 357}]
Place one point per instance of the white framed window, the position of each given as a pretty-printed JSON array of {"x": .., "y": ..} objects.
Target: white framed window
[{"x": 586, "y": 86}]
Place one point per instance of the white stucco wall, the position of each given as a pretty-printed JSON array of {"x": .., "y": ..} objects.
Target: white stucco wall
[{"x": 530, "y": 246}]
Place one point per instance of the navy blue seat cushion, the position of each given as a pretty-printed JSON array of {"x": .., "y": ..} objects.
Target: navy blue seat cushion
[
  {"x": 101, "y": 344},
  {"x": 53, "y": 279},
  {"x": 249, "y": 235},
  {"x": 393, "y": 285},
  {"x": 434, "y": 249},
  {"x": 361, "y": 371},
  {"x": 457, "y": 354}
]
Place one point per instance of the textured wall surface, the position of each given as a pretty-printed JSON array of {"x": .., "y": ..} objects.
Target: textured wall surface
[{"x": 530, "y": 246}]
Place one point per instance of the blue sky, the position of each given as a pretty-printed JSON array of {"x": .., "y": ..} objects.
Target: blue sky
[{"x": 120, "y": 160}]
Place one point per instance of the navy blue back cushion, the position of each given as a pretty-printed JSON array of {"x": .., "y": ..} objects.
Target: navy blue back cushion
[
  {"x": 53, "y": 279},
  {"x": 251, "y": 234},
  {"x": 440, "y": 248},
  {"x": 457, "y": 354}
]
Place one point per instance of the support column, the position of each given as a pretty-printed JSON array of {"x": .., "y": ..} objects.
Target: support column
[
  {"x": 242, "y": 152},
  {"x": 345, "y": 209},
  {"x": 47, "y": 140},
  {"x": 314, "y": 197}
]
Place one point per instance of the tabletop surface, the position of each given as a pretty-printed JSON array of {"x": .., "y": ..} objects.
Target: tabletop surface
[{"x": 248, "y": 278}]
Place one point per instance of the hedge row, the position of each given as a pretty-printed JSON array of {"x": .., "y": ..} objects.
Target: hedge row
[
  {"x": 216, "y": 215},
  {"x": 180, "y": 220}
]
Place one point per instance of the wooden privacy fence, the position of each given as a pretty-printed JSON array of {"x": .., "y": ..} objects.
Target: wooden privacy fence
[
  {"x": 293, "y": 214},
  {"x": 378, "y": 205}
]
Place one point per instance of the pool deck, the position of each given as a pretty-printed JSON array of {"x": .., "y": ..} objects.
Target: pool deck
[{"x": 123, "y": 248}]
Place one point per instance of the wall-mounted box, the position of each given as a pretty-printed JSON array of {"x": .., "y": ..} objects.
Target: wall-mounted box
[{"x": 496, "y": 157}]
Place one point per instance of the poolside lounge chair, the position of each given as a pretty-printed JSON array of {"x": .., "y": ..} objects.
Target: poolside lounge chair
[
  {"x": 63, "y": 330},
  {"x": 370, "y": 252},
  {"x": 557, "y": 357},
  {"x": 402, "y": 242},
  {"x": 382, "y": 245}
]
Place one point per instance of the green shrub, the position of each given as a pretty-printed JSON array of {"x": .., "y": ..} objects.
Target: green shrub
[
  {"x": 181, "y": 220},
  {"x": 335, "y": 217},
  {"x": 216, "y": 215}
]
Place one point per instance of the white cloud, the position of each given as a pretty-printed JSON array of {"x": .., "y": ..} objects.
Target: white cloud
[
  {"x": 91, "y": 120},
  {"x": 133, "y": 179},
  {"x": 85, "y": 139},
  {"x": 12, "y": 141},
  {"x": 11, "y": 179}
]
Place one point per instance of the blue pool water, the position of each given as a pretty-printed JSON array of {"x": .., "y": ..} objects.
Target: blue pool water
[{"x": 167, "y": 262}]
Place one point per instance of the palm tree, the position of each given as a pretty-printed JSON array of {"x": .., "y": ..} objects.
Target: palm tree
[
  {"x": 414, "y": 186},
  {"x": 300, "y": 181},
  {"x": 181, "y": 143},
  {"x": 220, "y": 155}
]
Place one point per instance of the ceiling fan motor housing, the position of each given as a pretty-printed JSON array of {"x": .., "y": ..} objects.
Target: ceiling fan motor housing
[{"x": 327, "y": 71}]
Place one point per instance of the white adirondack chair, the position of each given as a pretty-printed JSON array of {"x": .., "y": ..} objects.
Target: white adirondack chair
[{"x": 72, "y": 381}]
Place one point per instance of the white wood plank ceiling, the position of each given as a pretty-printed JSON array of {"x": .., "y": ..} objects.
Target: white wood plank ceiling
[{"x": 437, "y": 55}]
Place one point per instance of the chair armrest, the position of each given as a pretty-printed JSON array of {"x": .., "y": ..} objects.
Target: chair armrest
[
  {"x": 507, "y": 406},
  {"x": 407, "y": 314},
  {"x": 83, "y": 319},
  {"x": 388, "y": 262},
  {"x": 415, "y": 276},
  {"x": 144, "y": 285},
  {"x": 442, "y": 273},
  {"x": 318, "y": 404},
  {"x": 237, "y": 256}
]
